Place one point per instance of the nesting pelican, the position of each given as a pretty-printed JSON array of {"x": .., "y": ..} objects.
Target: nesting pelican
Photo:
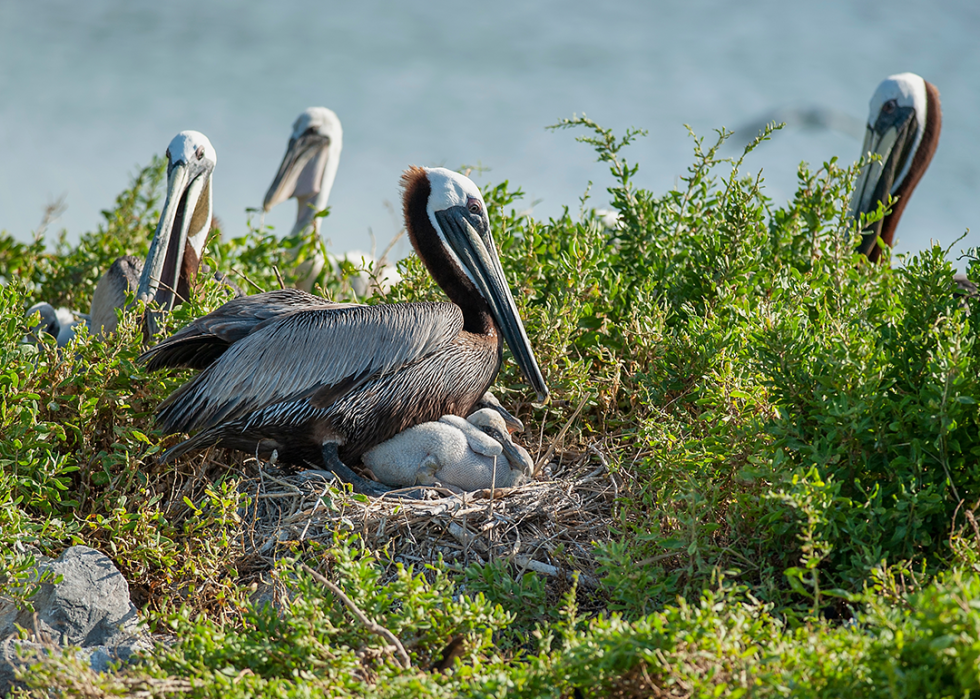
[
  {"x": 176, "y": 249},
  {"x": 463, "y": 455},
  {"x": 322, "y": 383},
  {"x": 904, "y": 121}
]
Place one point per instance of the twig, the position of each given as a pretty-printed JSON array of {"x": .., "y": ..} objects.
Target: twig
[
  {"x": 277, "y": 496},
  {"x": 561, "y": 435},
  {"x": 286, "y": 484},
  {"x": 373, "y": 627},
  {"x": 493, "y": 489},
  {"x": 282, "y": 284},
  {"x": 52, "y": 212},
  {"x": 605, "y": 465},
  {"x": 602, "y": 459},
  {"x": 309, "y": 521},
  {"x": 544, "y": 422},
  {"x": 242, "y": 275},
  {"x": 973, "y": 523},
  {"x": 545, "y": 569},
  {"x": 391, "y": 243}
]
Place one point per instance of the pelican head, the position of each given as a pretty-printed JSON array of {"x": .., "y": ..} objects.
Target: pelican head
[
  {"x": 493, "y": 424},
  {"x": 60, "y": 324},
  {"x": 903, "y": 128},
  {"x": 458, "y": 213},
  {"x": 175, "y": 252},
  {"x": 309, "y": 167}
]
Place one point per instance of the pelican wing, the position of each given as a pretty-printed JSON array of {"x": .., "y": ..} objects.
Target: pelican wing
[
  {"x": 319, "y": 354},
  {"x": 198, "y": 344}
]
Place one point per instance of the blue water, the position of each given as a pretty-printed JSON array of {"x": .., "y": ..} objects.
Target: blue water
[{"x": 88, "y": 90}]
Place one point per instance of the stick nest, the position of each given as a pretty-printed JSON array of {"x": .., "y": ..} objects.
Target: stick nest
[{"x": 548, "y": 525}]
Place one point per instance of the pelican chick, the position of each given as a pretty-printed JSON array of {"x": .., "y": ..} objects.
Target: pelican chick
[
  {"x": 463, "y": 455},
  {"x": 488, "y": 400}
]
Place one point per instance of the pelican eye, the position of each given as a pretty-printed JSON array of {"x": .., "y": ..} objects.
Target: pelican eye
[
  {"x": 889, "y": 106},
  {"x": 199, "y": 152},
  {"x": 474, "y": 207}
]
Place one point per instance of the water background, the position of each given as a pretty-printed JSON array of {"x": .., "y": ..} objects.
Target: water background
[{"x": 89, "y": 90}]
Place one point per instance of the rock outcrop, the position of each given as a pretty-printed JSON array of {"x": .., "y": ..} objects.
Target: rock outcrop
[{"x": 85, "y": 604}]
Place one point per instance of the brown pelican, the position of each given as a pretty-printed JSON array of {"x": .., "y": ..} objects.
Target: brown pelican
[
  {"x": 464, "y": 455},
  {"x": 320, "y": 382},
  {"x": 903, "y": 128},
  {"x": 307, "y": 173},
  {"x": 176, "y": 249}
]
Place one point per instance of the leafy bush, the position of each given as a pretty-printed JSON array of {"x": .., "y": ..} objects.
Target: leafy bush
[{"x": 797, "y": 433}]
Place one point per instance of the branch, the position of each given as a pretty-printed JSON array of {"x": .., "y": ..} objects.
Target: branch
[{"x": 375, "y": 628}]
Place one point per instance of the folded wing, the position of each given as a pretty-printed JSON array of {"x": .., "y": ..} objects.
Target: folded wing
[
  {"x": 202, "y": 341},
  {"x": 318, "y": 353}
]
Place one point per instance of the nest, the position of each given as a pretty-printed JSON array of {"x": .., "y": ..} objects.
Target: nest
[{"x": 548, "y": 525}]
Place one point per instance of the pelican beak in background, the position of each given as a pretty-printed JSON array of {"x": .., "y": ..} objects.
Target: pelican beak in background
[
  {"x": 177, "y": 246},
  {"x": 300, "y": 174},
  {"x": 467, "y": 231},
  {"x": 893, "y": 137}
]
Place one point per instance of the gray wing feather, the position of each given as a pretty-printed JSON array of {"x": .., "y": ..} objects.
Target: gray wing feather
[
  {"x": 202, "y": 341},
  {"x": 308, "y": 351}
]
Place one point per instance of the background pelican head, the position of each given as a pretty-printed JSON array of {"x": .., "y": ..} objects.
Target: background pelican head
[
  {"x": 903, "y": 128},
  {"x": 309, "y": 167},
  {"x": 60, "y": 323},
  {"x": 175, "y": 252},
  {"x": 457, "y": 212}
]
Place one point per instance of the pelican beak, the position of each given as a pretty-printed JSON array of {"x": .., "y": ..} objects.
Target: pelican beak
[
  {"x": 301, "y": 171},
  {"x": 186, "y": 214},
  {"x": 516, "y": 455},
  {"x": 470, "y": 238},
  {"x": 489, "y": 400},
  {"x": 892, "y": 137}
]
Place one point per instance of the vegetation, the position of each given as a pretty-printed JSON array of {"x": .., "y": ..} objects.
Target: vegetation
[{"x": 796, "y": 432}]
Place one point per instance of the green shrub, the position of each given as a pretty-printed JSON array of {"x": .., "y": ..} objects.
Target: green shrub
[{"x": 796, "y": 431}]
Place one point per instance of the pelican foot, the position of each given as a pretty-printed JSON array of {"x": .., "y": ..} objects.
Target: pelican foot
[{"x": 332, "y": 462}]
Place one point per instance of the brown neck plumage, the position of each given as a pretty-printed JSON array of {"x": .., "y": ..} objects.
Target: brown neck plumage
[
  {"x": 920, "y": 161},
  {"x": 444, "y": 269},
  {"x": 188, "y": 274}
]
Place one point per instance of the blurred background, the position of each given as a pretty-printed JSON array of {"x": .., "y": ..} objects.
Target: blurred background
[{"x": 90, "y": 90}]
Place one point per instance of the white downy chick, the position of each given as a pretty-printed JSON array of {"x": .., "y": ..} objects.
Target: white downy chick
[{"x": 454, "y": 452}]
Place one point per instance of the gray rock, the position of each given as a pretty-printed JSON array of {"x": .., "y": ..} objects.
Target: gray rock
[
  {"x": 89, "y": 607},
  {"x": 17, "y": 654}
]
